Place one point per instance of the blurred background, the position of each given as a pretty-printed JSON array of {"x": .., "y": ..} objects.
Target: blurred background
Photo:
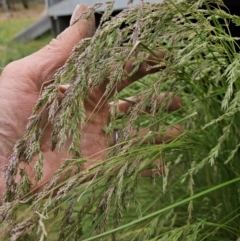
[
  {"x": 16, "y": 16},
  {"x": 27, "y": 25}
]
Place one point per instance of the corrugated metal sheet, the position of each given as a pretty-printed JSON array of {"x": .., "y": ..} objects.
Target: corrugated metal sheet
[{"x": 65, "y": 8}]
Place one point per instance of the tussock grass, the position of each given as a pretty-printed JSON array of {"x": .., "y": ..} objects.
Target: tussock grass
[{"x": 197, "y": 198}]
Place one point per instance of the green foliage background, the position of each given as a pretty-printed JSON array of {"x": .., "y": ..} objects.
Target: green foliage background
[
  {"x": 197, "y": 197},
  {"x": 12, "y": 50}
]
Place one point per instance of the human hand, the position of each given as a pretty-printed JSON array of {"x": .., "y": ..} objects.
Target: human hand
[{"x": 20, "y": 86}]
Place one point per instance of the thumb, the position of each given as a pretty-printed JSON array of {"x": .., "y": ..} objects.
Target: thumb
[{"x": 41, "y": 66}]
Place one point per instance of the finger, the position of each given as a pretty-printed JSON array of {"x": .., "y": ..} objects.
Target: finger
[
  {"x": 61, "y": 92},
  {"x": 164, "y": 134},
  {"x": 63, "y": 88},
  {"x": 157, "y": 168},
  {"x": 143, "y": 70},
  {"x": 40, "y": 66},
  {"x": 147, "y": 136},
  {"x": 169, "y": 103}
]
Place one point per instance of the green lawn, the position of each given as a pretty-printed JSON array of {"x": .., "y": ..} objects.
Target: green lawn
[{"x": 12, "y": 50}]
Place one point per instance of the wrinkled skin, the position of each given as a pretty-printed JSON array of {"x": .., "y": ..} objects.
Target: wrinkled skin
[{"x": 20, "y": 85}]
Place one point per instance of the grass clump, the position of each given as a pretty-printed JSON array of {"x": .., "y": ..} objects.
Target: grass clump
[{"x": 197, "y": 197}]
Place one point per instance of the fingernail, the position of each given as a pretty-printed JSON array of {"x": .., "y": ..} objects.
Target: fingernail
[{"x": 75, "y": 14}]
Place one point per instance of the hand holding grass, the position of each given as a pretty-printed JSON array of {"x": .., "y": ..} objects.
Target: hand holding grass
[{"x": 20, "y": 86}]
